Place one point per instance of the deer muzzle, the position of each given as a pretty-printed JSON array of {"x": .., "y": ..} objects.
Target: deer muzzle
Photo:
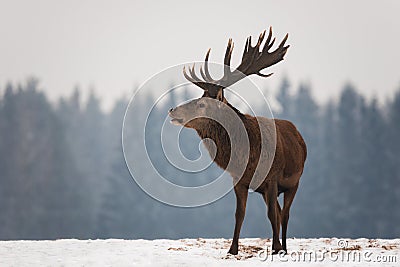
[{"x": 176, "y": 120}]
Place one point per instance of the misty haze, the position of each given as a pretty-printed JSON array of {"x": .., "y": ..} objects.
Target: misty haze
[{"x": 68, "y": 70}]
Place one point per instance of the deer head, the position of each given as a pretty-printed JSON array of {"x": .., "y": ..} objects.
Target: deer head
[{"x": 254, "y": 60}]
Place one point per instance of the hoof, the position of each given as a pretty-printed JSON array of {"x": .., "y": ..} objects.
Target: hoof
[
  {"x": 278, "y": 249},
  {"x": 233, "y": 251}
]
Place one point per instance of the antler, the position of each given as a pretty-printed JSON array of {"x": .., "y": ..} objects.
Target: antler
[{"x": 253, "y": 61}]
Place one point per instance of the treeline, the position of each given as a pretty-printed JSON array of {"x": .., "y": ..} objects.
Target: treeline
[{"x": 63, "y": 174}]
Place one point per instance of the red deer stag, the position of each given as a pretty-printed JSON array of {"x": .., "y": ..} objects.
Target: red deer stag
[{"x": 288, "y": 148}]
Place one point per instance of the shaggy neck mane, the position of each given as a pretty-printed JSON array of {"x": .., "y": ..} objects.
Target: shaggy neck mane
[{"x": 216, "y": 132}]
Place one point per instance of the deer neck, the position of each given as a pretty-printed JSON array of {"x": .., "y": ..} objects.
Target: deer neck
[
  {"x": 213, "y": 130},
  {"x": 216, "y": 138}
]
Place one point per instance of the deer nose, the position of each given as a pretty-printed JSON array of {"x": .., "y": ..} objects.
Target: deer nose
[{"x": 170, "y": 110}]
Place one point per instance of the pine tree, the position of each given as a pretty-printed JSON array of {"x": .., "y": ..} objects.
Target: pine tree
[
  {"x": 376, "y": 172},
  {"x": 349, "y": 173},
  {"x": 306, "y": 118},
  {"x": 285, "y": 100},
  {"x": 393, "y": 145}
]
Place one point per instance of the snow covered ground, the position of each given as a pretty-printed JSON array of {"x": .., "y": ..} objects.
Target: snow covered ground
[{"x": 199, "y": 252}]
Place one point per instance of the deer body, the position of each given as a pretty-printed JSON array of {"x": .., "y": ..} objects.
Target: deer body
[{"x": 273, "y": 155}]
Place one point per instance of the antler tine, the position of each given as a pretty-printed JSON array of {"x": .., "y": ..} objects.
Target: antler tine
[
  {"x": 271, "y": 44},
  {"x": 227, "y": 59},
  {"x": 202, "y": 73},
  {"x": 264, "y": 75},
  {"x": 187, "y": 76},
  {"x": 206, "y": 76},
  {"x": 284, "y": 41},
  {"x": 261, "y": 38},
  {"x": 228, "y": 53},
  {"x": 246, "y": 48},
  {"x": 265, "y": 49},
  {"x": 193, "y": 73},
  {"x": 257, "y": 47},
  {"x": 282, "y": 48}
]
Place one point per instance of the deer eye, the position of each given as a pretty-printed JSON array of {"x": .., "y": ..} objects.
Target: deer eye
[{"x": 202, "y": 105}]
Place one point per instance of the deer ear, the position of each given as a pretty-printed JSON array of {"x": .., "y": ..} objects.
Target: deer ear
[
  {"x": 220, "y": 98},
  {"x": 220, "y": 95}
]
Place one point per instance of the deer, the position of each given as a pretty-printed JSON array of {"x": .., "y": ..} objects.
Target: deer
[{"x": 286, "y": 150}]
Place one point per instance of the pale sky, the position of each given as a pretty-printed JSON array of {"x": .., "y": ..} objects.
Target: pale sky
[{"x": 114, "y": 45}]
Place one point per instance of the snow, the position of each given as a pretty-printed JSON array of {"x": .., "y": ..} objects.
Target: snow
[{"x": 199, "y": 252}]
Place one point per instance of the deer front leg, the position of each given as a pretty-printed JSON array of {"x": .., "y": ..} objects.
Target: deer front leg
[{"x": 241, "y": 193}]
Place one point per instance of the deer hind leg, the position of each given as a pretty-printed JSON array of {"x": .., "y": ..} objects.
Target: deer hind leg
[
  {"x": 287, "y": 202},
  {"x": 274, "y": 216},
  {"x": 279, "y": 214},
  {"x": 241, "y": 193}
]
